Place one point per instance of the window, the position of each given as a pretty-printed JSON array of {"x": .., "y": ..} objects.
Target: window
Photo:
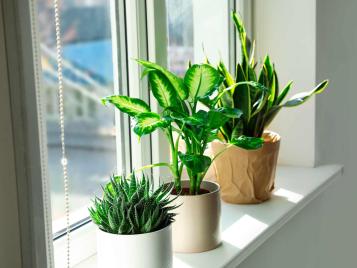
[
  {"x": 189, "y": 40},
  {"x": 88, "y": 76},
  {"x": 99, "y": 40}
]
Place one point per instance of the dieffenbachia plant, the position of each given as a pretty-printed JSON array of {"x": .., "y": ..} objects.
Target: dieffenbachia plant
[
  {"x": 257, "y": 95},
  {"x": 182, "y": 119}
]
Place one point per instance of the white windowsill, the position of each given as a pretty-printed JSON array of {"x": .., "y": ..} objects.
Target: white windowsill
[{"x": 246, "y": 227}]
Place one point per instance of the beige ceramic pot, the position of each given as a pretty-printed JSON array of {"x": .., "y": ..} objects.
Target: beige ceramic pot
[
  {"x": 247, "y": 176},
  {"x": 197, "y": 224}
]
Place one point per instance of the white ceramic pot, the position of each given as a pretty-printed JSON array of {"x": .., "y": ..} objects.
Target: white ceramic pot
[
  {"x": 149, "y": 250},
  {"x": 197, "y": 223}
]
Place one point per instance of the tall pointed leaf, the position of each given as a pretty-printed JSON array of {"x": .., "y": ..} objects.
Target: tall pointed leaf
[
  {"x": 242, "y": 95},
  {"x": 202, "y": 80},
  {"x": 302, "y": 97},
  {"x": 284, "y": 92},
  {"x": 229, "y": 80},
  {"x": 242, "y": 37},
  {"x": 148, "y": 122},
  {"x": 131, "y": 106},
  {"x": 163, "y": 90}
]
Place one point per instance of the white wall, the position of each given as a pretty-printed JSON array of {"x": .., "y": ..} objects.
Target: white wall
[
  {"x": 286, "y": 30},
  {"x": 10, "y": 254},
  {"x": 336, "y": 122},
  {"x": 324, "y": 234},
  {"x": 312, "y": 239}
]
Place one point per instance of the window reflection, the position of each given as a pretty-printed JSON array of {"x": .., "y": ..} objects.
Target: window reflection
[{"x": 87, "y": 70}]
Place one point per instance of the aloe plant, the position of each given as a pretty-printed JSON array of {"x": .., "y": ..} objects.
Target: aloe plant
[
  {"x": 131, "y": 206},
  {"x": 257, "y": 95},
  {"x": 179, "y": 99}
]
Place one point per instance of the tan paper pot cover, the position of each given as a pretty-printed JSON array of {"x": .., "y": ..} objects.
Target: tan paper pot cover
[
  {"x": 247, "y": 176},
  {"x": 197, "y": 223}
]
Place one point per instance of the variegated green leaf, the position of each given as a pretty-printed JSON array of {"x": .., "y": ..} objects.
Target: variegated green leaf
[
  {"x": 201, "y": 80},
  {"x": 249, "y": 143},
  {"x": 284, "y": 92},
  {"x": 148, "y": 122},
  {"x": 131, "y": 106},
  {"x": 229, "y": 80},
  {"x": 302, "y": 97},
  {"x": 175, "y": 81},
  {"x": 242, "y": 37},
  {"x": 241, "y": 96},
  {"x": 163, "y": 90}
]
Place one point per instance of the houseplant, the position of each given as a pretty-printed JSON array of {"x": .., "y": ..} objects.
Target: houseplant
[
  {"x": 133, "y": 220},
  {"x": 179, "y": 99},
  {"x": 251, "y": 179}
]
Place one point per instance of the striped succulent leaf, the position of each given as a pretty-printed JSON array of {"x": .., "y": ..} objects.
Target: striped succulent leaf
[{"x": 131, "y": 206}]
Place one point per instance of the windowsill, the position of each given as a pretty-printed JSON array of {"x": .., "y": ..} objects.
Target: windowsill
[{"x": 246, "y": 227}]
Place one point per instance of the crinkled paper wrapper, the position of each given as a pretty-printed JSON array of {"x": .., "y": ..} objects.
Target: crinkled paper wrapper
[{"x": 245, "y": 176}]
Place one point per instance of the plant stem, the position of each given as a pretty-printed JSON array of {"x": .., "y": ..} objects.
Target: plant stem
[
  {"x": 161, "y": 164},
  {"x": 175, "y": 165}
]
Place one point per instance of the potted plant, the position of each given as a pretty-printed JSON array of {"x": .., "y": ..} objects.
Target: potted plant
[
  {"x": 134, "y": 224},
  {"x": 248, "y": 176},
  {"x": 197, "y": 226}
]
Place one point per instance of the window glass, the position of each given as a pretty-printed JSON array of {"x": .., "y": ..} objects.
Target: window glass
[
  {"x": 89, "y": 126},
  {"x": 196, "y": 29}
]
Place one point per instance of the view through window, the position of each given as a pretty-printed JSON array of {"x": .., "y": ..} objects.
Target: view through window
[
  {"x": 196, "y": 29},
  {"x": 89, "y": 126}
]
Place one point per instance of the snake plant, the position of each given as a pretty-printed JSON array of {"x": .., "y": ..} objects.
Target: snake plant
[
  {"x": 181, "y": 116},
  {"x": 131, "y": 206},
  {"x": 257, "y": 95}
]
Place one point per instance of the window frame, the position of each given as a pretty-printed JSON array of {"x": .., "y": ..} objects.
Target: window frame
[{"x": 23, "y": 76}]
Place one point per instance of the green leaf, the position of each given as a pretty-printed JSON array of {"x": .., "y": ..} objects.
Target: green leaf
[
  {"x": 201, "y": 80},
  {"x": 272, "y": 92},
  {"x": 230, "y": 112},
  {"x": 148, "y": 122},
  {"x": 216, "y": 119},
  {"x": 163, "y": 90},
  {"x": 237, "y": 130},
  {"x": 242, "y": 95},
  {"x": 229, "y": 81},
  {"x": 284, "y": 92},
  {"x": 242, "y": 37},
  {"x": 260, "y": 103},
  {"x": 251, "y": 57},
  {"x": 131, "y": 106},
  {"x": 249, "y": 143},
  {"x": 302, "y": 97},
  {"x": 175, "y": 81},
  {"x": 196, "y": 163},
  {"x": 198, "y": 119},
  {"x": 269, "y": 67},
  {"x": 276, "y": 80}
]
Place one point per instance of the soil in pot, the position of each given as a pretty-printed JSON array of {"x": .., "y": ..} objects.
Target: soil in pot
[{"x": 186, "y": 191}]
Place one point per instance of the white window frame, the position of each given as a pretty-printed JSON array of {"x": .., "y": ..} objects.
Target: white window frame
[{"x": 145, "y": 38}]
